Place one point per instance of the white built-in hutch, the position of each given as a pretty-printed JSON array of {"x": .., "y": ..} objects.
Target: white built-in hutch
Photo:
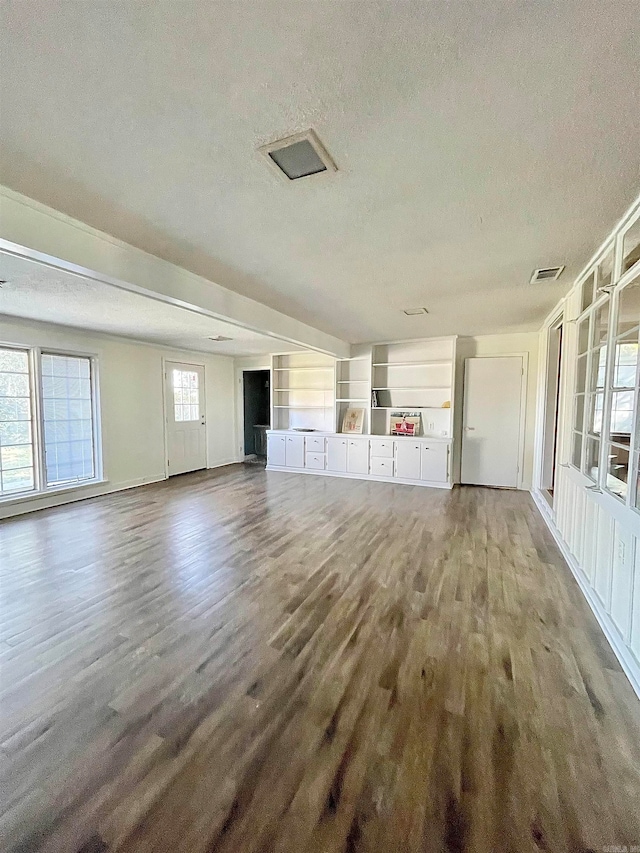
[{"x": 312, "y": 391}]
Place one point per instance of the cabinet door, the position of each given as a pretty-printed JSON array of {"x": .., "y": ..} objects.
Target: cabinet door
[
  {"x": 435, "y": 462},
  {"x": 294, "y": 454},
  {"x": 408, "y": 459},
  {"x": 337, "y": 454},
  {"x": 358, "y": 456},
  {"x": 276, "y": 449}
]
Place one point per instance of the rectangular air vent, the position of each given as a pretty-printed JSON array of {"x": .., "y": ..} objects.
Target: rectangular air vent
[
  {"x": 219, "y": 338},
  {"x": 411, "y": 312},
  {"x": 546, "y": 274},
  {"x": 298, "y": 156}
]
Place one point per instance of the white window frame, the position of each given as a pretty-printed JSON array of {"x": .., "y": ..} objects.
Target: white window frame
[{"x": 35, "y": 354}]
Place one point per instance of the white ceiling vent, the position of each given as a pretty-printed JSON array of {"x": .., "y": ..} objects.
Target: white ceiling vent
[
  {"x": 546, "y": 274},
  {"x": 411, "y": 312},
  {"x": 298, "y": 156},
  {"x": 219, "y": 338}
]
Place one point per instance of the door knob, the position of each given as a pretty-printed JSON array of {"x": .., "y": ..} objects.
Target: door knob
[{"x": 470, "y": 428}]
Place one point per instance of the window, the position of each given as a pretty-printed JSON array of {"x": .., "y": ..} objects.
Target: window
[
  {"x": 186, "y": 395},
  {"x": 591, "y": 370},
  {"x": 47, "y": 420},
  {"x": 68, "y": 419},
  {"x": 17, "y": 472},
  {"x": 624, "y": 389}
]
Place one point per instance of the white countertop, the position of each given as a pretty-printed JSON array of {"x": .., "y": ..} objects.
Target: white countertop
[{"x": 445, "y": 438}]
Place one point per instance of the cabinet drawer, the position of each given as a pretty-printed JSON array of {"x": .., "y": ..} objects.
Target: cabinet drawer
[
  {"x": 315, "y": 460},
  {"x": 382, "y": 448},
  {"x": 314, "y": 443},
  {"x": 381, "y": 467}
]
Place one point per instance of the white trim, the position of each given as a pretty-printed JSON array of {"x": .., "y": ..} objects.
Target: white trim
[
  {"x": 371, "y": 477},
  {"x": 630, "y": 666}
]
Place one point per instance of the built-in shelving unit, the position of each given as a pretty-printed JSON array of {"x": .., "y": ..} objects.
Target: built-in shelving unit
[
  {"x": 414, "y": 376},
  {"x": 353, "y": 385},
  {"x": 303, "y": 391}
]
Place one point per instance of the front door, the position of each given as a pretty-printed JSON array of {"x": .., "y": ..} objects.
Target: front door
[
  {"x": 185, "y": 417},
  {"x": 491, "y": 421}
]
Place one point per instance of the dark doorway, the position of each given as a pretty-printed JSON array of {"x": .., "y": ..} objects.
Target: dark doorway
[{"x": 256, "y": 410}]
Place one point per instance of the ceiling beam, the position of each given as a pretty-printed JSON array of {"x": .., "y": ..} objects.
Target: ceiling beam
[{"x": 33, "y": 230}]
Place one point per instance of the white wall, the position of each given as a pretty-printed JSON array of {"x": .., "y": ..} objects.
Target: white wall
[
  {"x": 508, "y": 344},
  {"x": 132, "y": 409}
]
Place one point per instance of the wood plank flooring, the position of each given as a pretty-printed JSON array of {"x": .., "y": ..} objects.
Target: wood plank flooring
[{"x": 256, "y": 662}]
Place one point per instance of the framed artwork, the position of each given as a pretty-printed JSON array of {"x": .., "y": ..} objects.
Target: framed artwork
[
  {"x": 404, "y": 423},
  {"x": 353, "y": 421}
]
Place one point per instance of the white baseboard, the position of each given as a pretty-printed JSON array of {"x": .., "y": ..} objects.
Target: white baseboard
[
  {"x": 372, "y": 477},
  {"x": 623, "y": 654}
]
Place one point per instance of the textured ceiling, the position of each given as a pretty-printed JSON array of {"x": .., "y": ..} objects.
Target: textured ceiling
[
  {"x": 34, "y": 291},
  {"x": 474, "y": 142}
]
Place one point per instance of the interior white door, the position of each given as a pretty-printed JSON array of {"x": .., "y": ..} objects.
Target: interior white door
[
  {"x": 491, "y": 421},
  {"x": 185, "y": 417}
]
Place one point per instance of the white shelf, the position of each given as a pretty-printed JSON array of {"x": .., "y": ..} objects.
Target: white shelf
[
  {"x": 407, "y": 408},
  {"x": 303, "y": 407},
  {"x": 349, "y": 381},
  {"x": 413, "y": 388},
  {"x": 352, "y": 400},
  {"x": 288, "y": 369},
  {"x": 412, "y": 363},
  {"x": 288, "y": 390}
]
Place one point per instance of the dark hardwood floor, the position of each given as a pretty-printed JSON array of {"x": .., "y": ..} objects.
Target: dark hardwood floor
[{"x": 278, "y": 662}]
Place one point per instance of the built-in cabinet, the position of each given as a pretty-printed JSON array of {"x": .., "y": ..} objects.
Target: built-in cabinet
[{"x": 420, "y": 461}]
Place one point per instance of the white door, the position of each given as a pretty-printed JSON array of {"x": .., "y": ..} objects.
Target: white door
[
  {"x": 185, "y": 417},
  {"x": 337, "y": 454},
  {"x": 358, "y": 456},
  {"x": 407, "y": 459},
  {"x": 294, "y": 453},
  {"x": 276, "y": 450},
  {"x": 491, "y": 421}
]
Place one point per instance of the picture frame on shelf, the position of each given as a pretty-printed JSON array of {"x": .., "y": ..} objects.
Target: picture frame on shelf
[
  {"x": 405, "y": 423},
  {"x": 353, "y": 421}
]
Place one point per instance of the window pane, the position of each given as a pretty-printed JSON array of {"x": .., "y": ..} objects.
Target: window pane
[
  {"x": 581, "y": 375},
  {"x": 578, "y": 417},
  {"x": 576, "y": 453},
  {"x": 605, "y": 270},
  {"x": 68, "y": 419},
  {"x": 601, "y": 323},
  {"x": 629, "y": 312},
  {"x": 617, "y": 470},
  {"x": 598, "y": 368},
  {"x": 596, "y": 406},
  {"x": 591, "y": 458},
  {"x": 587, "y": 291},
  {"x": 16, "y": 440},
  {"x": 631, "y": 247},
  {"x": 621, "y": 416},
  {"x": 583, "y": 336},
  {"x": 626, "y": 365}
]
